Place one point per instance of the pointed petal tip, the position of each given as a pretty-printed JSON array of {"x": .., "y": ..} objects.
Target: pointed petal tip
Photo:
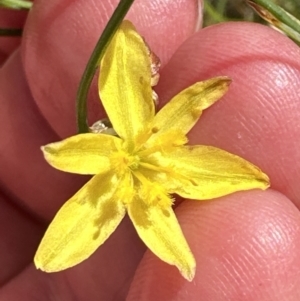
[
  {"x": 265, "y": 180},
  {"x": 188, "y": 269},
  {"x": 261, "y": 178},
  {"x": 44, "y": 267},
  {"x": 224, "y": 81},
  {"x": 45, "y": 149},
  {"x": 189, "y": 273},
  {"x": 216, "y": 87},
  {"x": 41, "y": 265},
  {"x": 37, "y": 264}
]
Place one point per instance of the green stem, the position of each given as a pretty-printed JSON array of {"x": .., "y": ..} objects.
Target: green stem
[
  {"x": 86, "y": 80},
  {"x": 10, "y": 32},
  {"x": 279, "y": 13},
  {"x": 221, "y": 5},
  {"x": 214, "y": 14},
  {"x": 16, "y": 4}
]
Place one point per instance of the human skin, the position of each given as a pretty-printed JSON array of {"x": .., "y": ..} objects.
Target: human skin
[{"x": 246, "y": 244}]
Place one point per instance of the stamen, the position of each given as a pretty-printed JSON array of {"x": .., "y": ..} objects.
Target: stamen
[
  {"x": 151, "y": 193},
  {"x": 140, "y": 177},
  {"x": 151, "y": 166},
  {"x": 150, "y": 150},
  {"x": 169, "y": 171}
]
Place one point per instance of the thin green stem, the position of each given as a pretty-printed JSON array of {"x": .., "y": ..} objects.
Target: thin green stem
[
  {"x": 221, "y": 5},
  {"x": 280, "y": 14},
  {"x": 89, "y": 72},
  {"x": 10, "y": 32},
  {"x": 213, "y": 13},
  {"x": 16, "y": 4}
]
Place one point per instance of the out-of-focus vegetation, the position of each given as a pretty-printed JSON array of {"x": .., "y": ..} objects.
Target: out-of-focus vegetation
[{"x": 233, "y": 10}]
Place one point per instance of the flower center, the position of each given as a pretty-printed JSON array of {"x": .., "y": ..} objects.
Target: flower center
[
  {"x": 133, "y": 162},
  {"x": 122, "y": 161}
]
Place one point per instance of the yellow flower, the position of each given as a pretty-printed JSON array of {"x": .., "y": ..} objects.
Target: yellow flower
[{"x": 138, "y": 171}]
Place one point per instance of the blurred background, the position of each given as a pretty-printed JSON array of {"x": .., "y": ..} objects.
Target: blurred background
[{"x": 235, "y": 10}]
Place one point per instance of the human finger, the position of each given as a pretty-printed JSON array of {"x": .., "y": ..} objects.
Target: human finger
[
  {"x": 10, "y": 19},
  {"x": 245, "y": 246},
  {"x": 258, "y": 117}
]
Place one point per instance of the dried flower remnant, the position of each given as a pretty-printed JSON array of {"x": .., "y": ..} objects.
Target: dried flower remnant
[
  {"x": 155, "y": 66},
  {"x": 138, "y": 170}
]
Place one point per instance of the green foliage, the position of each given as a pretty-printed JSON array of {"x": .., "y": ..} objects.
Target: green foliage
[{"x": 237, "y": 10}]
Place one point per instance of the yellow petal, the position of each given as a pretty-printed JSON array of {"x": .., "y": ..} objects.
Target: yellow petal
[
  {"x": 82, "y": 154},
  {"x": 160, "y": 231},
  {"x": 125, "y": 83},
  {"x": 184, "y": 110},
  {"x": 81, "y": 225},
  {"x": 206, "y": 172}
]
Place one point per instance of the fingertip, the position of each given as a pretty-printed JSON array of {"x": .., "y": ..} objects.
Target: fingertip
[
  {"x": 10, "y": 19},
  {"x": 245, "y": 240},
  {"x": 257, "y": 118}
]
